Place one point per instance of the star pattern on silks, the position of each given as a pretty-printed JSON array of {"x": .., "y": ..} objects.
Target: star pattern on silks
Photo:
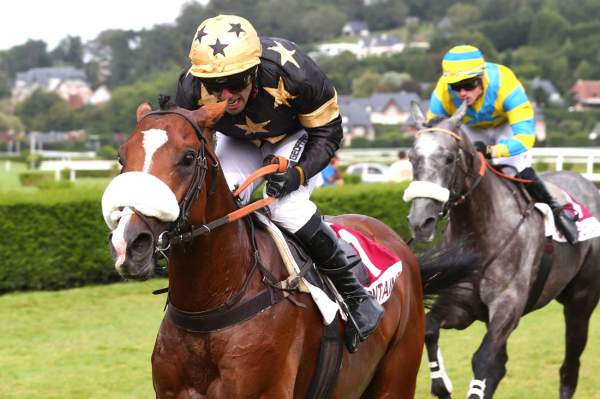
[
  {"x": 201, "y": 34},
  {"x": 252, "y": 127},
  {"x": 286, "y": 55},
  {"x": 280, "y": 94},
  {"x": 237, "y": 29},
  {"x": 218, "y": 47}
]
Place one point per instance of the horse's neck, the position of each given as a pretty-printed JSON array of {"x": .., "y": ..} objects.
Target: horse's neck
[
  {"x": 210, "y": 270},
  {"x": 490, "y": 204}
]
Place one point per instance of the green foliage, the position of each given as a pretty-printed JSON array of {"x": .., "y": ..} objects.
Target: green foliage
[
  {"x": 118, "y": 115},
  {"x": 9, "y": 122},
  {"x": 53, "y": 247},
  {"x": 35, "y": 178},
  {"x": 45, "y": 111},
  {"x": 365, "y": 84},
  {"x": 58, "y": 238},
  {"x": 382, "y": 201},
  {"x": 107, "y": 152}
]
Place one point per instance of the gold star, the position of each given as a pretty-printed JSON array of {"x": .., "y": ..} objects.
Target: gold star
[
  {"x": 280, "y": 94},
  {"x": 251, "y": 127},
  {"x": 286, "y": 55}
]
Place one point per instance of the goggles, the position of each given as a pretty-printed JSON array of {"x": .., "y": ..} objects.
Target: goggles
[
  {"x": 234, "y": 83},
  {"x": 467, "y": 84}
]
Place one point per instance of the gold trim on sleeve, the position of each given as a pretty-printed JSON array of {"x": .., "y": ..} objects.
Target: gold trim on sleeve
[{"x": 322, "y": 115}]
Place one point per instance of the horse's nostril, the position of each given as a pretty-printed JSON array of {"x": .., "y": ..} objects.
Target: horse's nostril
[
  {"x": 428, "y": 223},
  {"x": 141, "y": 244}
]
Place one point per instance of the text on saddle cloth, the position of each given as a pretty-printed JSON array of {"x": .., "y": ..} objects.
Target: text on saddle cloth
[
  {"x": 588, "y": 225},
  {"x": 381, "y": 264}
]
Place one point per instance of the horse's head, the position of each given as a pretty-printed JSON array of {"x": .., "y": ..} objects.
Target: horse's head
[
  {"x": 165, "y": 162},
  {"x": 438, "y": 170}
]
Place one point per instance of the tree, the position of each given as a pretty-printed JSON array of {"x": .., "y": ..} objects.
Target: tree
[
  {"x": 548, "y": 28},
  {"x": 4, "y": 85},
  {"x": 462, "y": 14},
  {"x": 10, "y": 123},
  {"x": 21, "y": 58},
  {"x": 46, "y": 111},
  {"x": 69, "y": 52},
  {"x": 365, "y": 84}
]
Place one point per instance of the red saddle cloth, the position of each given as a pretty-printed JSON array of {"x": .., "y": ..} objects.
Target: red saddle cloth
[{"x": 382, "y": 265}]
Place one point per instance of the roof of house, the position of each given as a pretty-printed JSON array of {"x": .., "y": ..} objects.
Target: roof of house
[
  {"x": 585, "y": 89},
  {"x": 356, "y": 26},
  {"x": 42, "y": 76},
  {"x": 357, "y": 110},
  {"x": 545, "y": 85},
  {"x": 384, "y": 40}
]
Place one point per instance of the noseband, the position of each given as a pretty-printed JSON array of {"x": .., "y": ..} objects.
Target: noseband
[{"x": 176, "y": 234}]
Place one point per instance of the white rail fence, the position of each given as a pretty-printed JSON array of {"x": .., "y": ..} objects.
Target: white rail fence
[
  {"x": 75, "y": 165},
  {"x": 556, "y": 156}
]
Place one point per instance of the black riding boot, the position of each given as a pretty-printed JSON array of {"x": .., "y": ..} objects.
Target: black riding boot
[
  {"x": 538, "y": 191},
  {"x": 323, "y": 246}
]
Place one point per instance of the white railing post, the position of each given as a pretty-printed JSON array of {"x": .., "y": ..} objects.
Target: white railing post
[{"x": 559, "y": 162}]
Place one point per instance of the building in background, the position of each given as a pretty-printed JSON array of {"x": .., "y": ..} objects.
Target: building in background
[
  {"x": 67, "y": 82},
  {"x": 586, "y": 94}
]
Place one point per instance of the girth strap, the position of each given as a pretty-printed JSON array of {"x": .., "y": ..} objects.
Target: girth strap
[
  {"x": 541, "y": 276},
  {"x": 220, "y": 318},
  {"x": 328, "y": 364}
]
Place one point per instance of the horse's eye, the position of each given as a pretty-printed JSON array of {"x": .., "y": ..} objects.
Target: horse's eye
[
  {"x": 450, "y": 158},
  {"x": 188, "y": 158},
  {"x": 120, "y": 160}
]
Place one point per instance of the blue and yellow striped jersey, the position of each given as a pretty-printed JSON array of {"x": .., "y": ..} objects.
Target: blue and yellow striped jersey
[{"x": 503, "y": 101}]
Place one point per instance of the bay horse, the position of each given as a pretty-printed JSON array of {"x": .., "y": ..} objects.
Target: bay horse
[
  {"x": 510, "y": 236},
  {"x": 171, "y": 182}
]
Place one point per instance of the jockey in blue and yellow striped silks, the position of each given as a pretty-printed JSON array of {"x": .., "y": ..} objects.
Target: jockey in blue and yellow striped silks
[{"x": 503, "y": 99}]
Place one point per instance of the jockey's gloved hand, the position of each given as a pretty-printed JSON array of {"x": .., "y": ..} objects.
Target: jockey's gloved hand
[
  {"x": 483, "y": 148},
  {"x": 281, "y": 184}
]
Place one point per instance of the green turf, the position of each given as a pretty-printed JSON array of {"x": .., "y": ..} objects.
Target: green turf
[{"x": 96, "y": 342}]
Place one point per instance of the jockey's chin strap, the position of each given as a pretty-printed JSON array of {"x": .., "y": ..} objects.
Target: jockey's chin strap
[{"x": 166, "y": 238}]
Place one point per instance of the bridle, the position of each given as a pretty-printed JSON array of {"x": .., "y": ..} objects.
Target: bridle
[
  {"x": 456, "y": 196},
  {"x": 177, "y": 233}
]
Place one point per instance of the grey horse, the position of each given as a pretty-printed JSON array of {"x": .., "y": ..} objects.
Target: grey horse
[{"x": 499, "y": 220}]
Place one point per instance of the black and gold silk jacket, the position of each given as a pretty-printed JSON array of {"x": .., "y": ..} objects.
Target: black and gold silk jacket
[{"x": 292, "y": 93}]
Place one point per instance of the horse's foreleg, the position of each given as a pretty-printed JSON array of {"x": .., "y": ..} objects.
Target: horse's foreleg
[
  {"x": 577, "y": 313},
  {"x": 489, "y": 361},
  {"x": 441, "y": 386}
]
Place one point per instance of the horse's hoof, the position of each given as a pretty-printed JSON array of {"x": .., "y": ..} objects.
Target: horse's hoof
[{"x": 438, "y": 389}]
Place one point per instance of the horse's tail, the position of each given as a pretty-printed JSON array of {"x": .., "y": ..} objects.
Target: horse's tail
[{"x": 443, "y": 268}]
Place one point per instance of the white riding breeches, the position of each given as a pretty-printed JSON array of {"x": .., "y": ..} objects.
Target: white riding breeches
[
  {"x": 491, "y": 136},
  {"x": 239, "y": 158}
]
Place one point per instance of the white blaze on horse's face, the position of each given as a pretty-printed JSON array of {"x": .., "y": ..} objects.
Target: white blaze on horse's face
[
  {"x": 118, "y": 237},
  {"x": 153, "y": 140},
  {"x": 426, "y": 146}
]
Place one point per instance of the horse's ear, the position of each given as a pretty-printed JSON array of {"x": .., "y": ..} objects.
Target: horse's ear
[
  {"x": 207, "y": 115},
  {"x": 417, "y": 114},
  {"x": 456, "y": 119},
  {"x": 142, "y": 110}
]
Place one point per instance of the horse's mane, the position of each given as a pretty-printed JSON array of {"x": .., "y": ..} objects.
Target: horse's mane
[{"x": 165, "y": 102}]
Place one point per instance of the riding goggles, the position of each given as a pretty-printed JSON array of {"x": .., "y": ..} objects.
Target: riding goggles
[
  {"x": 467, "y": 84},
  {"x": 233, "y": 83}
]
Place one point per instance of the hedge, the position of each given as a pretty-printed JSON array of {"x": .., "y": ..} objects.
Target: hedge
[{"x": 62, "y": 243}]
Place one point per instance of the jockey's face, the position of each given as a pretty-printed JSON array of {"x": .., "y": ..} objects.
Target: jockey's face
[
  {"x": 236, "y": 99},
  {"x": 469, "y": 90}
]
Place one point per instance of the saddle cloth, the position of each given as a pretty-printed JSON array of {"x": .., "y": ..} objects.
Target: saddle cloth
[
  {"x": 587, "y": 225},
  {"x": 382, "y": 267}
]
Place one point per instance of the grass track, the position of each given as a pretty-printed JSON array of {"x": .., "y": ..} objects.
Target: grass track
[{"x": 96, "y": 342}]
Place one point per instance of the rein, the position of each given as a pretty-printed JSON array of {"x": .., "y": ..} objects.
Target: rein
[
  {"x": 484, "y": 164},
  {"x": 233, "y": 310}
]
